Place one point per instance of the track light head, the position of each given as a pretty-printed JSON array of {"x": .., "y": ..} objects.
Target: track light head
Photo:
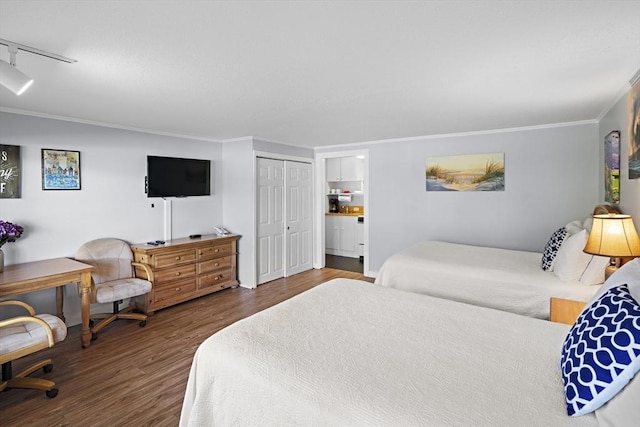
[{"x": 13, "y": 79}]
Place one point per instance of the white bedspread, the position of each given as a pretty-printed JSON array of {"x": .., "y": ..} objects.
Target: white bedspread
[
  {"x": 503, "y": 279},
  {"x": 351, "y": 353}
]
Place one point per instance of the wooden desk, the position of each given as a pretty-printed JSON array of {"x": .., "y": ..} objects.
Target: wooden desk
[{"x": 51, "y": 273}]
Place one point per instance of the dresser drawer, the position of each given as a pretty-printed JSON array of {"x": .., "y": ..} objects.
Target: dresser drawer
[
  {"x": 176, "y": 290},
  {"x": 212, "y": 265},
  {"x": 214, "y": 251},
  {"x": 173, "y": 258},
  {"x": 220, "y": 280},
  {"x": 174, "y": 274}
]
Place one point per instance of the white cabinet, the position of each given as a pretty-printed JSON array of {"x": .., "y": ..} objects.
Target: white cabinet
[
  {"x": 340, "y": 235},
  {"x": 352, "y": 168},
  {"x": 333, "y": 169},
  {"x": 345, "y": 169},
  {"x": 331, "y": 233}
]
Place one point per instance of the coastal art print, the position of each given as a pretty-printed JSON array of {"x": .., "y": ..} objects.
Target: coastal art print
[
  {"x": 633, "y": 102},
  {"x": 9, "y": 171},
  {"x": 612, "y": 167},
  {"x": 472, "y": 172},
  {"x": 60, "y": 170}
]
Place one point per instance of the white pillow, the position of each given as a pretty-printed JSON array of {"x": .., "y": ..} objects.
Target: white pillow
[
  {"x": 623, "y": 409},
  {"x": 574, "y": 227},
  {"x": 587, "y": 224},
  {"x": 628, "y": 274},
  {"x": 571, "y": 261},
  {"x": 594, "y": 273}
]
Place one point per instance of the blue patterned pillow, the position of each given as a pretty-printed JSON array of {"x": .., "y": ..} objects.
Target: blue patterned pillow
[
  {"x": 601, "y": 353},
  {"x": 553, "y": 246}
]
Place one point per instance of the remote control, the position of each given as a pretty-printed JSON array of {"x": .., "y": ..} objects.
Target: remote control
[
  {"x": 160, "y": 242},
  {"x": 195, "y": 236},
  {"x": 152, "y": 243}
]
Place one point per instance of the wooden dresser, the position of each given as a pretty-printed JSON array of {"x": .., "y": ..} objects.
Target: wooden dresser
[{"x": 187, "y": 268}]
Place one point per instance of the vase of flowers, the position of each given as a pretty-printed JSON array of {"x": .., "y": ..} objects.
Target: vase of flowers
[{"x": 9, "y": 232}]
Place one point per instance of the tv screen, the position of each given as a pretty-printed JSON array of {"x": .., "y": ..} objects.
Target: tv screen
[{"x": 176, "y": 177}]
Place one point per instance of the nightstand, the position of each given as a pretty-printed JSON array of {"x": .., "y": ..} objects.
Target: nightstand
[{"x": 565, "y": 310}]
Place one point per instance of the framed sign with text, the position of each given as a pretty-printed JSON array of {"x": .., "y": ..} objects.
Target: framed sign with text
[{"x": 10, "y": 187}]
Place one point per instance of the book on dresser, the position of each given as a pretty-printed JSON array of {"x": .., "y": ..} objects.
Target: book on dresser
[{"x": 187, "y": 268}]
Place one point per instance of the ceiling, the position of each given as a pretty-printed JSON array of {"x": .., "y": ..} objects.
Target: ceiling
[{"x": 319, "y": 73}]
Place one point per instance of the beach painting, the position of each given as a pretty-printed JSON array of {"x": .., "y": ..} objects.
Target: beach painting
[
  {"x": 612, "y": 167},
  {"x": 633, "y": 102},
  {"x": 471, "y": 172}
]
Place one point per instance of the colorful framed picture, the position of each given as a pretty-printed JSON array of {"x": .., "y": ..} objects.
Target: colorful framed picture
[
  {"x": 10, "y": 187},
  {"x": 612, "y": 167},
  {"x": 472, "y": 172},
  {"x": 633, "y": 101},
  {"x": 60, "y": 169}
]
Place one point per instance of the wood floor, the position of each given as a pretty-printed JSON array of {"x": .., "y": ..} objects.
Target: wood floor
[{"x": 134, "y": 376}]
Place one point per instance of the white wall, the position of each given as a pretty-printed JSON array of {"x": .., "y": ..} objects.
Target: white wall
[
  {"x": 551, "y": 179},
  {"x": 237, "y": 194},
  {"x": 111, "y": 203},
  {"x": 618, "y": 119}
]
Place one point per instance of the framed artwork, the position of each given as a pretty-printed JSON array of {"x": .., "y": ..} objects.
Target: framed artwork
[
  {"x": 60, "y": 169},
  {"x": 472, "y": 172},
  {"x": 633, "y": 102},
  {"x": 10, "y": 187},
  {"x": 612, "y": 167}
]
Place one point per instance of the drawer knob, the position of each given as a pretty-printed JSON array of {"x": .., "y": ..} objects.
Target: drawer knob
[
  {"x": 216, "y": 264},
  {"x": 217, "y": 278},
  {"x": 177, "y": 289},
  {"x": 216, "y": 250},
  {"x": 178, "y": 273},
  {"x": 177, "y": 258}
]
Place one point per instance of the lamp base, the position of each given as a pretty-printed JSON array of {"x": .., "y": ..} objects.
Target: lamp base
[{"x": 609, "y": 271}]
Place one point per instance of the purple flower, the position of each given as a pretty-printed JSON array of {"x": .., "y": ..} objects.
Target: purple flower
[{"x": 9, "y": 232}]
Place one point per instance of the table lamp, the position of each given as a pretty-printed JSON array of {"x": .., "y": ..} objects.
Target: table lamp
[{"x": 615, "y": 236}]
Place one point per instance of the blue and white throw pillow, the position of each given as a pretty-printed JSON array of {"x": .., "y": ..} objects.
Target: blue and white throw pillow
[
  {"x": 553, "y": 246},
  {"x": 601, "y": 353}
]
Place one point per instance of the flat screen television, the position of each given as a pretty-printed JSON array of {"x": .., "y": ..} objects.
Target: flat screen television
[{"x": 177, "y": 177}]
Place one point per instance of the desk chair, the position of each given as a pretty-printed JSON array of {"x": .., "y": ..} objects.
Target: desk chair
[
  {"x": 23, "y": 335},
  {"x": 113, "y": 280}
]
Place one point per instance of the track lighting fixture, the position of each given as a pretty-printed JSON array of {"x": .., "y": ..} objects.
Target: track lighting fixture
[{"x": 14, "y": 79}]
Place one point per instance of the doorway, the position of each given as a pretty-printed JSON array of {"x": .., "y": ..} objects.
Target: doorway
[{"x": 342, "y": 242}]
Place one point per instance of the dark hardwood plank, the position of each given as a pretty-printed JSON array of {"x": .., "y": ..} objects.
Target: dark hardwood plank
[{"x": 134, "y": 376}]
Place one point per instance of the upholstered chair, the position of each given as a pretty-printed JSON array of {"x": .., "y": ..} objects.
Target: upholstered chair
[
  {"x": 24, "y": 335},
  {"x": 113, "y": 280}
]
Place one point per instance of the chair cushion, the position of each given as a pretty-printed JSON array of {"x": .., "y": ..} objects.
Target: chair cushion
[
  {"x": 110, "y": 257},
  {"x": 121, "y": 289},
  {"x": 25, "y": 334}
]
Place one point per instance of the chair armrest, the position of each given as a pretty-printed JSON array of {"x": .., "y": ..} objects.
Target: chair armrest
[
  {"x": 146, "y": 269},
  {"x": 27, "y": 319},
  {"x": 22, "y": 304}
]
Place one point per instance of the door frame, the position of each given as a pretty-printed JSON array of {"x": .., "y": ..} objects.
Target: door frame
[
  {"x": 319, "y": 208},
  {"x": 283, "y": 157}
]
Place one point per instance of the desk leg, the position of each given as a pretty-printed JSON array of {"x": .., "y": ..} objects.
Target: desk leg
[
  {"x": 85, "y": 289},
  {"x": 59, "y": 302}
]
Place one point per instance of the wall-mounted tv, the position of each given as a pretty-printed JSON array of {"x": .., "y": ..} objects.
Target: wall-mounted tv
[{"x": 177, "y": 177}]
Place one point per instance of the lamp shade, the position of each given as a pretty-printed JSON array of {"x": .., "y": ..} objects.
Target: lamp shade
[
  {"x": 13, "y": 79},
  {"x": 613, "y": 235}
]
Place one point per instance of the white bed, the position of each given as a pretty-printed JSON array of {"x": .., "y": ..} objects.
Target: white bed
[
  {"x": 503, "y": 279},
  {"x": 351, "y": 353}
]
